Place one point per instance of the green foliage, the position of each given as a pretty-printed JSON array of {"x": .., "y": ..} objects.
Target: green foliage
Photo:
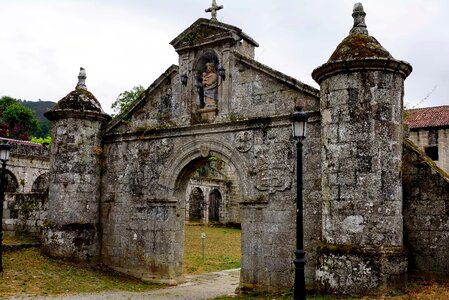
[
  {"x": 39, "y": 108},
  {"x": 6, "y": 101},
  {"x": 212, "y": 168},
  {"x": 40, "y": 140},
  {"x": 125, "y": 99},
  {"x": 18, "y": 120}
]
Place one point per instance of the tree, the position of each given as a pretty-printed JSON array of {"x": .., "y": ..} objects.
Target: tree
[
  {"x": 18, "y": 120},
  {"x": 125, "y": 99},
  {"x": 6, "y": 101}
]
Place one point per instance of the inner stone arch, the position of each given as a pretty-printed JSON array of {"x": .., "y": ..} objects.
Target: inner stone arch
[
  {"x": 40, "y": 185},
  {"x": 11, "y": 183},
  {"x": 195, "y": 205},
  {"x": 203, "y": 176}
]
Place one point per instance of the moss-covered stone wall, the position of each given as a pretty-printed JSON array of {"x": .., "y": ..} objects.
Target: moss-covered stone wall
[{"x": 426, "y": 211}]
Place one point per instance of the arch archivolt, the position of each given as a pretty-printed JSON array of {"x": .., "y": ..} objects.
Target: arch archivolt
[{"x": 172, "y": 176}]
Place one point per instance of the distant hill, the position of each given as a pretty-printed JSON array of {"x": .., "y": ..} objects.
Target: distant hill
[{"x": 39, "y": 108}]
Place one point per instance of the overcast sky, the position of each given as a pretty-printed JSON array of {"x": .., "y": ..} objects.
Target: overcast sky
[{"x": 124, "y": 43}]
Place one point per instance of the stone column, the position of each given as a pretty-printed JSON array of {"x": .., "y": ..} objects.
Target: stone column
[
  {"x": 72, "y": 228},
  {"x": 361, "y": 150}
]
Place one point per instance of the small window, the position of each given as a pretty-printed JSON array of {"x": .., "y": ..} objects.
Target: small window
[{"x": 432, "y": 152}]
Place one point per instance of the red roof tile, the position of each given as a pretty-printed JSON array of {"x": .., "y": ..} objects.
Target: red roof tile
[
  {"x": 436, "y": 116},
  {"x": 12, "y": 141}
]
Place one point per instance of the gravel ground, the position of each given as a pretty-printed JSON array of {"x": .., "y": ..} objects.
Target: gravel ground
[{"x": 204, "y": 286}]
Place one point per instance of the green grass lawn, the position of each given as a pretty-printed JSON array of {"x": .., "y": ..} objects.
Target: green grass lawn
[
  {"x": 222, "y": 249},
  {"x": 27, "y": 273}
]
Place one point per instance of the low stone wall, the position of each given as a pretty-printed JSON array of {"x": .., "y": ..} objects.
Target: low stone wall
[
  {"x": 426, "y": 212},
  {"x": 24, "y": 212}
]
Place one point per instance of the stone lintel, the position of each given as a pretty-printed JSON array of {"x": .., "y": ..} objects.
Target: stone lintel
[
  {"x": 160, "y": 202},
  {"x": 77, "y": 114},
  {"x": 256, "y": 203},
  {"x": 208, "y": 128},
  {"x": 367, "y": 64}
]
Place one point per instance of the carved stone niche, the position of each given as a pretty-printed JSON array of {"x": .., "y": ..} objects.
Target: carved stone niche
[{"x": 205, "y": 100}]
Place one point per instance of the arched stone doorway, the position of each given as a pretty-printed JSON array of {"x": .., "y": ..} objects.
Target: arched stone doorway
[
  {"x": 186, "y": 170},
  {"x": 196, "y": 205},
  {"x": 40, "y": 185},
  {"x": 215, "y": 200},
  {"x": 11, "y": 185}
]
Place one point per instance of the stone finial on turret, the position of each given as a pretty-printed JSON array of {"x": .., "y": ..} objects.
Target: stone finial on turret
[
  {"x": 359, "y": 20},
  {"x": 82, "y": 79}
]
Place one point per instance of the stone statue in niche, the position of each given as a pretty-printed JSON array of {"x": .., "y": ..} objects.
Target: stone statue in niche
[
  {"x": 210, "y": 86},
  {"x": 207, "y": 90}
]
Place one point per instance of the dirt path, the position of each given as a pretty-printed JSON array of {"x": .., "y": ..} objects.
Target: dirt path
[{"x": 204, "y": 286}]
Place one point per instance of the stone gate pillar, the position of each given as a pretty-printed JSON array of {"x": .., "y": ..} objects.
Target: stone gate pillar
[
  {"x": 71, "y": 230},
  {"x": 361, "y": 148}
]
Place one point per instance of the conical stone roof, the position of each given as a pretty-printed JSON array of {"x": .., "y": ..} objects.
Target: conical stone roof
[
  {"x": 80, "y": 98},
  {"x": 79, "y": 101},
  {"x": 359, "y": 44},
  {"x": 359, "y": 51}
]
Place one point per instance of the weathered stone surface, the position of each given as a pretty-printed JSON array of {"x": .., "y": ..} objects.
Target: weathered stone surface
[
  {"x": 71, "y": 230},
  {"x": 152, "y": 171},
  {"x": 358, "y": 270},
  {"x": 433, "y": 137},
  {"x": 24, "y": 208},
  {"x": 251, "y": 135},
  {"x": 361, "y": 151},
  {"x": 426, "y": 202}
]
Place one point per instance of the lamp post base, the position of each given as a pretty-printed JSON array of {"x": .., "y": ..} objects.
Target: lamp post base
[{"x": 299, "y": 292}]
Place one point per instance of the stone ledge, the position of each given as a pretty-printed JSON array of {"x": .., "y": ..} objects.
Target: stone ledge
[{"x": 356, "y": 65}]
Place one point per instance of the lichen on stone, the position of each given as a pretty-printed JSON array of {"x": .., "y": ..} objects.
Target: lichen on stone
[{"x": 357, "y": 46}]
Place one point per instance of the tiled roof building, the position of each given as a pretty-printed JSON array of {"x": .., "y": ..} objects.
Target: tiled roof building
[
  {"x": 437, "y": 116},
  {"x": 429, "y": 129}
]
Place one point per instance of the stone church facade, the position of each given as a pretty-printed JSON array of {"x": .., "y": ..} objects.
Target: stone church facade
[{"x": 119, "y": 190}]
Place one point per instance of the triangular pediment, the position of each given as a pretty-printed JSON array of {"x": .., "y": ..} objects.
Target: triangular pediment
[
  {"x": 150, "y": 93},
  {"x": 205, "y": 31}
]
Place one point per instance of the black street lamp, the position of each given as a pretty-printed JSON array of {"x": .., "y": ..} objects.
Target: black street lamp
[
  {"x": 4, "y": 156},
  {"x": 299, "y": 122}
]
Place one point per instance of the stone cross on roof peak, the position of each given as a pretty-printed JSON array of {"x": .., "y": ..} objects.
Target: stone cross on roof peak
[
  {"x": 82, "y": 79},
  {"x": 213, "y": 10},
  {"x": 359, "y": 20}
]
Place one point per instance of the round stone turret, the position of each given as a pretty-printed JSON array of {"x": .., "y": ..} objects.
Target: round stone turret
[
  {"x": 72, "y": 227},
  {"x": 361, "y": 148}
]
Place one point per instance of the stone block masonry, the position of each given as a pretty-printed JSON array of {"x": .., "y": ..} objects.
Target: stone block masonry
[
  {"x": 361, "y": 150},
  {"x": 72, "y": 229},
  {"x": 119, "y": 196}
]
